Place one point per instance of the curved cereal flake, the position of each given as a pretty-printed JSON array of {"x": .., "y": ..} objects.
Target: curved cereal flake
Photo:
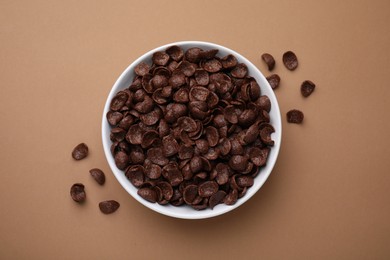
[
  {"x": 156, "y": 156},
  {"x": 196, "y": 164},
  {"x": 238, "y": 163},
  {"x": 265, "y": 134},
  {"x": 198, "y": 109},
  {"x": 290, "y": 60},
  {"x": 212, "y": 65},
  {"x": 136, "y": 175},
  {"x": 187, "y": 173},
  {"x": 223, "y": 87},
  {"x": 181, "y": 95},
  {"x": 179, "y": 110},
  {"x": 153, "y": 171},
  {"x": 219, "y": 121},
  {"x": 186, "y": 152},
  {"x": 163, "y": 128},
  {"x": 212, "y": 154},
  {"x": 187, "y": 68},
  {"x": 160, "y": 58},
  {"x": 233, "y": 184},
  {"x": 199, "y": 94},
  {"x": 207, "y": 188},
  {"x": 172, "y": 66},
  {"x": 177, "y": 79},
  {"x": 202, "y": 77},
  {"x": 185, "y": 138},
  {"x": 222, "y": 173},
  {"x": 187, "y": 124},
  {"x": 264, "y": 103},
  {"x": 269, "y": 60},
  {"x": 217, "y": 198},
  {"x": 170, "y": 145},
  {"x": 230, "y": 114},
  {"x": 141, "y": 69},
  {"x": 148, "y": 138},
  {"x": 193, "y": 54},
  {"x": 139, "y": 95},
  {"x": 166, "y": 91},
  {"x": 146, "y": 83},
  {"x": 202, "y": 145},
  {"x": 307, "y": 87},
  {"x": 175, "y": 52},
  {"x": 249, "y": 168},
  {"x": 166, "y": 188},
  {"x": 200, "y": 177},
  {"x": 242, "y": 192},
  {"x": 162, "y": 71},
  {"x": 225, "y": 146},
  {"x": 202, "y": 205},
  {"x": 136, "y": 84},
  {"x": 152, "y": 117},
  {"x": 257, "y": 156},
  {"x": 206, "y": 164},
  {"x": 145, "y": 106},
  {"x": 148, "y": 194},
  {"x": 158, "y": 81},
  {"x": 244, "y": 92},
  {"x": 172, "y": 173},
  {"x": 229, "y": 62},
  {"x": 190, "y": 193},
  {"x": 126, "y": 122},
  {"x": 158, "y": 98},
  {"x": 114, "y": 118},
  {"x": 119, "y": 101},
  {"x": 251, "y": 134},
  {"x": 159, "y": 194},
  {"x": 212, "y": 135},
  {"x": 295, "y": 116},
  {"x": 136, "y": 155},
  {"x": 198, "y": 132},
  {"x": 208, "y": 54},
  {"x": 244, "y": 181},
  {"x": 108, "y": 206},
  {"x": 239, "y": 71},
  {"x": 117, "y": 134},
  {"x": 231, "y": 198},
  {"x": 134, "y": 135},
  {"x": 254, "y": 90},
  {"x": 212, "y": 100},
  {"x": 273, "y": 80},
  {"x": 178, "y": 202}
]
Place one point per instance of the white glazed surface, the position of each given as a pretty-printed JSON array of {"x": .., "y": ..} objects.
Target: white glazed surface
[{"x": 186, "y": 212}]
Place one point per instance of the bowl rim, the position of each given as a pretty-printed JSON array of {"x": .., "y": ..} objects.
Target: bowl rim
[{"x": 167, "y": 209}]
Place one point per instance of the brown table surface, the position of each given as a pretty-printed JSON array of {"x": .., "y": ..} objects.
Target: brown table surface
[{"x": 328, "y": 195}]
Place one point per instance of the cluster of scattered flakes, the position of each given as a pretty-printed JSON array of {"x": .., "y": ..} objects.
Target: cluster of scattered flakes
[
  {"x": 192, "y": 128},
  {"x": 77, "y": 191},
  {"x": 290, "y": 61}
]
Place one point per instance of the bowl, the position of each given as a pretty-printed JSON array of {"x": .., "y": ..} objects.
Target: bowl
[{"x": 185, "y": 212}]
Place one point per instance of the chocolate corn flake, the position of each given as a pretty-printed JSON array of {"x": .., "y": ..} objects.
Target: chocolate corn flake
[
  {"x": 269, "y": 60},
  {"x": 307, "y": 88},
  {"x": 290, "y": 60},
  {"x": 274, "y": 80},
  {"x": 295, "y": 116}
]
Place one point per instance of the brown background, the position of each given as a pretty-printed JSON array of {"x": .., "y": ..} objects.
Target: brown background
[{"x": 328, "y": 196}]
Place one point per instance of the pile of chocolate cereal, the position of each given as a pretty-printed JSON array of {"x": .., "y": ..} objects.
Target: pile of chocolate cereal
[{"x": 192, "y": 128}]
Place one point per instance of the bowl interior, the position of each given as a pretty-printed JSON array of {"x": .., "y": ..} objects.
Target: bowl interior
[{"x": 184, "y": 212}]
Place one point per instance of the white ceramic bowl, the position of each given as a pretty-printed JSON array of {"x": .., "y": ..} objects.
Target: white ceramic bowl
[{"x": 186, "y": 212}]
